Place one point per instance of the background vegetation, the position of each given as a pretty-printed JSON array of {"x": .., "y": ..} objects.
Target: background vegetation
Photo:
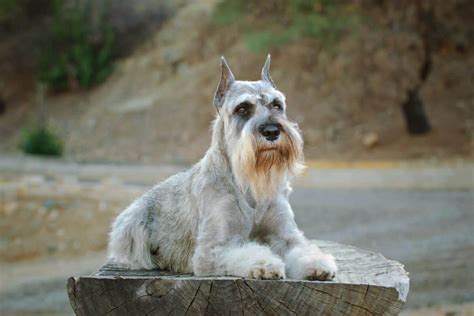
[
  {"x": 80, "y": 48},
  {"x": 287, "y": 21},
  {"x": 41, "y": 140},
  {"x": 362, "y": 77}
]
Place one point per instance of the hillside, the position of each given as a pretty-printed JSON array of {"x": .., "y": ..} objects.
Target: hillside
[{"x": 157, "y": 104}]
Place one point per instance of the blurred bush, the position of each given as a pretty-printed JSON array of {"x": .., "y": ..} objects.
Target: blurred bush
[
  {"x": 16, "y": 12},
  {"x": 41, "y": 140},
  {"x": 80, "y": 48},
  {"x": 228, "y": 12},
  {"x": 7, "y": 9},
  {"x": 281, "y": 21}
]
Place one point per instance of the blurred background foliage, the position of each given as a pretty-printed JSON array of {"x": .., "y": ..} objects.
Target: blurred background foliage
[
  {"x": 11, "y": 11},
  {"x": 77, "y": 49},
  {"x": 287, "y": 21},
  {"x": 41, "y": 140},
  {"x": 362, "y": 77},
  {"x": 80, "y": 47}
]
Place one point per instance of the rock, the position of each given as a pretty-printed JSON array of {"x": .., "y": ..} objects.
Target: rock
[{"x": 370, "y": 140}]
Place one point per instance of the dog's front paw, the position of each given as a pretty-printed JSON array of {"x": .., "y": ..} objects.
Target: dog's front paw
[
  {"x": 310, "y": 263},
  {"x": 322, "y": 268},
  {"x": 267, "y": 269}
]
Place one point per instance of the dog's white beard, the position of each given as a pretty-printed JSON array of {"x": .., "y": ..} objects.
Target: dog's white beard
[{"x": 264, "y": 171}]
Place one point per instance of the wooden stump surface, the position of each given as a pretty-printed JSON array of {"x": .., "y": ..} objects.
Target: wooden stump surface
[{"x": 366, "y": 284}]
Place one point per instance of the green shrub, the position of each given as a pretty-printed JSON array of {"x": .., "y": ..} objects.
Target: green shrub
[
  {"x": 7, "y": 9},
  {"x": 324, "y": 20},
  {"x": 79, "y": 49},
  {"x": 14, "y": 12},
  {"x": 228, "y": 12},
  {"x": 261, "y": 41},
  {"x": 41, "y": 140}
]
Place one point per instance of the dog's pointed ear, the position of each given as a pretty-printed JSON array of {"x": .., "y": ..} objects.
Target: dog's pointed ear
[
  {"x": 227, "y": 78},
  {"x": 266, "y": 71}
]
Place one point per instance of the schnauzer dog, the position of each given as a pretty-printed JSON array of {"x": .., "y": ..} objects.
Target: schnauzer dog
[{"x": 229, "y": 214}]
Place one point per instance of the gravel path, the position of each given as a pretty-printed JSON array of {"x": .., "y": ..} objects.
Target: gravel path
[{"x": 428, "y": 231}]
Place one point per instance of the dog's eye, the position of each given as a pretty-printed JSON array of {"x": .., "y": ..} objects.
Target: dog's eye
[
  {"x": 277, "y": 106},
  {"x": 243, "y": 108}
]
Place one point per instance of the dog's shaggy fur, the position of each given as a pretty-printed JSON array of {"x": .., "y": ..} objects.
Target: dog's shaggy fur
[{"x": 229, "y": 214}]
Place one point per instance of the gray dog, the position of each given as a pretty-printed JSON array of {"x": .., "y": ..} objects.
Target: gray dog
[{"x": 229, "y": 214}]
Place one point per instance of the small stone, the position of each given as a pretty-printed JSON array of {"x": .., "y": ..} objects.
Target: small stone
[{"x": 370, "y": 140}]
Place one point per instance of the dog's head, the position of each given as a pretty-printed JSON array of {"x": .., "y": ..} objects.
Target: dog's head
[{"x": 263, "y": 146}]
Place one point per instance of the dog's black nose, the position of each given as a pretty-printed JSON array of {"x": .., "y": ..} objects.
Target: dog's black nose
[{"x": 270, "y": 131}]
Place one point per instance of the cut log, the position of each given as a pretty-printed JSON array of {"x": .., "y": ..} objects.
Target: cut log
[{"x": 366, "y": 284}]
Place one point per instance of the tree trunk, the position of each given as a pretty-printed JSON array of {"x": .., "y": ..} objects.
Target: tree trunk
[
  {"x": 413, "y": 109},
  {"x": 3, "y": 106},
  {"x": 414, "y": 113},
  {"x": 366, "y": 284}
]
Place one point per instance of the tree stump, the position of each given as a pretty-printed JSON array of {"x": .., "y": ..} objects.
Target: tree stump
[{"x": 366, "y": 284}]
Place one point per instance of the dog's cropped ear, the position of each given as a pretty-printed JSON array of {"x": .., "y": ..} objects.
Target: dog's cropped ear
[
  {"x": 227, "y": 78},
  {"x": 266, "y": 72}
]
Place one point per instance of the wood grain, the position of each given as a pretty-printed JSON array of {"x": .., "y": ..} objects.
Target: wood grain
[{"x": 367, "y": 284}]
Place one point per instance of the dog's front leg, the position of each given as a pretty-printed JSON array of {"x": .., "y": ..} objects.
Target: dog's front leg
[
  {"x": 303, "y": 259},
  {"x": 223, "y": 248}
]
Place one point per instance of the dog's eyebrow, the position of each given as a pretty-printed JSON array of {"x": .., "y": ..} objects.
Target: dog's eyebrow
[
  {"x": 273, "y": 100},
  {"x": 264, "y": 97},
  {"x": 268, "y": 98},
  {"x": 246, "y": 97}
]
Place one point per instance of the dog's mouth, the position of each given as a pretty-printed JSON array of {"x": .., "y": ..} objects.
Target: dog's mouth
[{"x": 269, "y": 149}]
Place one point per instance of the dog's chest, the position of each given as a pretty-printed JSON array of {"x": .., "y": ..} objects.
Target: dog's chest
[{"x": 253, "y": 213}]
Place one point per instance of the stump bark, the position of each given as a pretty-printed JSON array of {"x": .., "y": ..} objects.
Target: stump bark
[{"x": 366, "y": 284}]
